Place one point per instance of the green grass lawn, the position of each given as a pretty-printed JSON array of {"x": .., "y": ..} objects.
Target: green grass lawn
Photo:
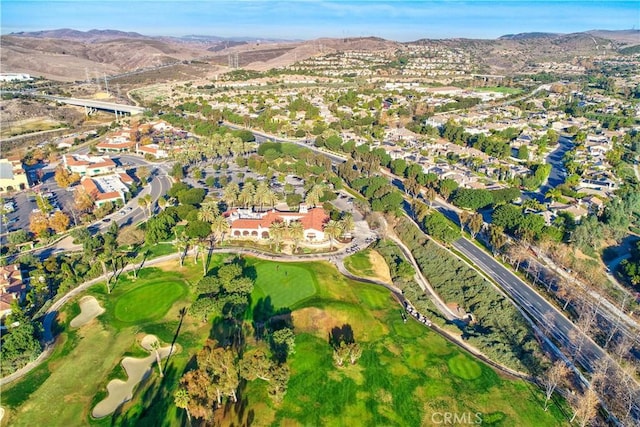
[
  {"x": 500, "y": 89},
  {"x": 405, "y": 374},
  {"x": 148, "y": 302},
  {"x": 160, "y": 249},
  {"x": 63, "y": 390},
  {"x": 287, "y": 284},
  {"x": 360, "y": 264}
]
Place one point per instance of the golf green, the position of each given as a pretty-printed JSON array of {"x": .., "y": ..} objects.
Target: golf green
[
  {"x": 148, "y": 302},
  {"x": 285, "y": 284},
  {"x": 464, "y": 367}
]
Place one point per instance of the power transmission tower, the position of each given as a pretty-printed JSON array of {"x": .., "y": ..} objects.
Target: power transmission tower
[
  {"x": 106, "y": 84},
  {"x": 235, "y": 60},
  {"x": 118, "y": 89}
]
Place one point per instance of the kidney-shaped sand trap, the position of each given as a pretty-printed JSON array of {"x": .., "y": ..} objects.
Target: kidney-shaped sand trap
[
  {"x": 137, "y": 369},
  {"x": 89, "y": 309}
]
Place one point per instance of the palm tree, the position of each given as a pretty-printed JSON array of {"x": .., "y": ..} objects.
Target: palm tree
[
  {"x": 554, "y": 194},
  {"x": 271, "y": 198},
  {"x": 347, "y": 223},
  {"x": 142, "y": 202},
  {"x": 296, "y": 232},
  {"x": 333, "y": 230},
  {"x": 219, "y": 227},
  {"x": 162, "y": 202},
  {"x": 156, "y": 347},
  {"x": 261, "y": 193},
  {"x": 314, "y": 195},
  {"x": 182, "y": 243},
  {"x": 276, "y": 232},
  {"x": 247, "y": 195},
  {"x": 103, "y": 257},
  {"x": 230, "y": 194},
  {"x": 208, "y": 211},
  {"x": 181, "y": 399}
]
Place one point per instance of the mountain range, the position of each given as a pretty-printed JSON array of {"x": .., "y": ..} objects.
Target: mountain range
[{"x": 68, "y": 54}]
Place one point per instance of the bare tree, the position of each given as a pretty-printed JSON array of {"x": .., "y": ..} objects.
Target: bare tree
[
  {"x": 585, "y": 407},
  {"x": 552, "y": 378}
]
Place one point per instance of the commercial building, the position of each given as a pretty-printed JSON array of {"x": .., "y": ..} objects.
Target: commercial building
[
  {"x": 85, "y": 165},
  {"x": 255, "y": 225},
  {"x": 12, "y": 175},
  {"x": 107, "y": 188}
]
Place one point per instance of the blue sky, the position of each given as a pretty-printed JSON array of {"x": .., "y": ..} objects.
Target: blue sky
[{"x": 308, "y": 19}]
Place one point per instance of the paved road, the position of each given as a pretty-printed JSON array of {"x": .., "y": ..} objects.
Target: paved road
[
  {"x": 537, "y": 307},
  {"x": 558, "y": 171}
]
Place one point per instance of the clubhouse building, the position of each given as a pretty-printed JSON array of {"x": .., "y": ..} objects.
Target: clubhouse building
[{"x": 247, "y": 224}]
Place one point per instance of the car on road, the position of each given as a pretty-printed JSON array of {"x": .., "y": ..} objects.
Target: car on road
[{"x": 106, "y": 220}]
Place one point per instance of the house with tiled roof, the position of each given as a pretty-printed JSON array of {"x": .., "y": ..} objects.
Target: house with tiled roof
[
  {"x": 152, "y": 149},
  {"x": 120, "y": 142},
  {"x": 247, "y": 224},
  {"x": 13, "y": 287}
]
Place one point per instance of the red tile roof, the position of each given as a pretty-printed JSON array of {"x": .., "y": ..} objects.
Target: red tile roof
[{"x": 314, "y": 219}]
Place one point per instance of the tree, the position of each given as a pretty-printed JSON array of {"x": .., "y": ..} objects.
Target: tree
[
  {"x": 355, "y": 351},
  {"x": 247, "y": 195},
  {"x": 430, "y": 195},
  {"x": 83, "y": 201},
  {"x": 143, "y": 174},
  {"x": 20, "y": 345},
  {"x": 296, "y": 233},
  {"x": 64, "y": 178},
  {"x": 283, "y": 342},
  {"x": 412, "y": 187},
  {"x": 155, "y": 346},
  {"x": 347, "y": 223},
  {"x": 279, "y": 379},
  {"x": 197, "y": 229},
  {"x": 181, "y": 400},
  {"x": 464, "y": 217},
  {"x": 497, "y": 238},
  {"x": 277, "y": 230},
  {"x": 340, "y": 354},
  {"x": 230, "y": 194},
  {"x": 130, "y": 236},
  {"x": 59, "y": 222},
  {"x": 38, "y": 223},
  {"x": 314, "y": 195},
  {"x": 585, "y": 407},
  {"x": 552, "y": 378},
  {"x": 475, "y": 224},
  {"x": 219, "y": 227},
  {"x": 177, "y": 171},
  {"x": 182, "y": 244},
  {"x": 332, "y": 230},
  {"x": 523, "y": 152},
  {"x": 208, "y": 211},
  {"x": 255, "y": 365}
]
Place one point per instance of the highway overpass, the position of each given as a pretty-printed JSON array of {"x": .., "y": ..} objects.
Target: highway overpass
[{"x": 121, "y": 109}]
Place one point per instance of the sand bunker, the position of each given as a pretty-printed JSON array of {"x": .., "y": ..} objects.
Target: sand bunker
[
  {"x": 137, "y": 369},
  {"x": 89, "y": 310}
]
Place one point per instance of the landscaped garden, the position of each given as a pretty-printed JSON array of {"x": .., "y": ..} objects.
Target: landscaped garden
[{"x": 405, "y": 375}]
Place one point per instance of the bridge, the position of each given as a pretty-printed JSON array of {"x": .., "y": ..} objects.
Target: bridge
[{"x": 92, "y": 105}]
